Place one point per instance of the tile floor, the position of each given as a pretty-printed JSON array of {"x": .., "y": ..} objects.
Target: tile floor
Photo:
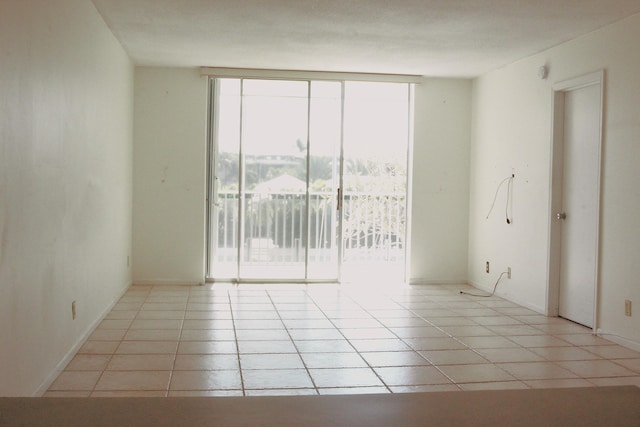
[{"x": 250, "y": 340}]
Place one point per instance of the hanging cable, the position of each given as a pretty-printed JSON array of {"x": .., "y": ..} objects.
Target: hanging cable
[
  {"x": 509, "y": 181},
  {"x": 492, "y": 292}
]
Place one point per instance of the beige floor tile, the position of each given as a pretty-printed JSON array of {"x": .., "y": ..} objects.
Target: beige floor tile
[
  {"x": 266, "y": 347},
  {"x": 424, "y": 388},
  {"x": 563, "y": 328},
  {"x": 208, "y": 315},
  {"x": 502, "y": 355},
  {"x": 488, "y": 342},
  {"x": 631, "y": 364},
  {"x": 353, "y": 390},
  {"x": 584, "y": 339},
  {"x": 515, "y": 330},
  {"x": 273, "y": 324},
  {"x": 603, "y": 382},
  {"x": 76, "y": 381},
  {"x": 205, "y": 393},
  {"x": 99, "y": 347},
  {"x": 357, "y": 323},
  {"x": 207, "y": 347},
  {"x": 129, "y": 393},
  {"x": 333, "y": 360},
  {"x": 325, "y": 346},
  {"x": 67, "y": 394},
  {"x": 121, "y": 315},
  {"x": 475, "y": 373},
  {"x": 404, "y": 322},
  {"x": 453, "y": 357},
  {"x": 559, "y": 383},
  {"x": 380, "y": 345},
  {"x": 160, "y": 315},
  {"x": 205, "y": 380},
  {"x": 156, "y": 329},
  {"x": 497, "y": 385},
  {"x": 271, "y": 361},
  {"x": 419, "y": 332},
  {"x": 395, "y": 358},
  {"x": 468, "y": 331},
  {"x": 450, "y": 321},
  {"x": 539, "y": 341},
  {"x": 208, "y": 335},
  {"x": 88, "y": 362},
  {"x": 141, "y": 362},
  {"x": 412, "y": 375},
  {"x": 613, "y": 352},
  {"x": 156, "y": 324},
  {"x": 315, "y": 334},
  {"x": 283, "y": 392},
  {"x": 368, "y": 334},
  {"x": 345, "y": 377},
  {"x": 207, "y": 324},
  {"x": 425, "y": 344},
  {"x": 564, "y": 353},
  {"x": 262, "y": 335},
  {"x": 152, "y": 335},
  {"x": 276, "y": 378},
  {"x": 133, "y": 380},
  {"x": 205, "y": 362},
  {"x": 107, "y": 335},
  {"x": 596, "y": 368},
  {"x": 147, "y": 347},
  {"x": 159, "y": 306},
  {"x": 537, "y": 371}
]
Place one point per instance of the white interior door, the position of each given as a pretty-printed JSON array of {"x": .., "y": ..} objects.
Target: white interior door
[{"x": 579, "y": 211}]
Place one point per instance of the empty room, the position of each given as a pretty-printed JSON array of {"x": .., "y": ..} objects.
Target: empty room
[{"x": 229, "y": 200}]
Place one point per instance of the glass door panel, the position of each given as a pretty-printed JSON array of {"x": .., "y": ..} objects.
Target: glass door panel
[
  {"x": 225, "y": 218},
  {"x": 376, "y": 138},
  {"x": 274, "y": 179},
  {"x": 324, "y": 179}
]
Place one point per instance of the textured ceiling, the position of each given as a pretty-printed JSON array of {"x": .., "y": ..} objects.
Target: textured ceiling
[{"x": 455, "y": 38}]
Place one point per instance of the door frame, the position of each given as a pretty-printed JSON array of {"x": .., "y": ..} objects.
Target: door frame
[{"x": 554, "y": 262}]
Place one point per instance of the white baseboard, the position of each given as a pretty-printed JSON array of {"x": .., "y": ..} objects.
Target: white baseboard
[
  {"x": 525, "y": 304},
  {"x": 74, "y": 349},
  {"x": 170, "y": 282},
  {"x": 633, "y": 345},
  {"x": 419, "y": 281}
]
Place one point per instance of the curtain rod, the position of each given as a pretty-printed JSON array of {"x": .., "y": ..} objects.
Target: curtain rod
[{"x": 308, "y": 75}]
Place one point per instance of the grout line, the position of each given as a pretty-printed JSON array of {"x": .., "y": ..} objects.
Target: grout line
[{"x": 235, "y": 340}]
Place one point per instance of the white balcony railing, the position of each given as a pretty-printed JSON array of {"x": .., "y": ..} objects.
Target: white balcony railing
[{"x": 274, "y": 230}]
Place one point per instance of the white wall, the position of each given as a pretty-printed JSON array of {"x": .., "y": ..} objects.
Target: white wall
[
  {"x": 170, "y": 178},
  {"x": 66, "y": 108},
  {"x": 511, "y": 129},
  {"x": 169, "y": 175},
  {"x": 440, "y": 209}
]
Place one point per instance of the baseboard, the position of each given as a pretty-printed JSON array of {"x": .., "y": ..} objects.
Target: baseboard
[
  {"x": 419, "y": 281},
  {"x": 633, "y": 345},
  {"x": 525, "y": 304},
  {"x": 170, "y": 282},
  {"x": 74, "y": 349}
]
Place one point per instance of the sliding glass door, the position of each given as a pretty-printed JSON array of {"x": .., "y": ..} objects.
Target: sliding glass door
[{"x": 281, "y": 153}]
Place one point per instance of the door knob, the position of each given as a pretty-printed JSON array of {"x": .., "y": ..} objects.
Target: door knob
[{"x": 561, "y": 215}]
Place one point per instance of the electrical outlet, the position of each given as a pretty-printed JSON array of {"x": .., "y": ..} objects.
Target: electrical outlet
[
  {"x": 486, "y": 267},
  {"x": 508, "y": 272},
  {"x": 73, "y": 310},
  {"x": 627, "y": 307}
]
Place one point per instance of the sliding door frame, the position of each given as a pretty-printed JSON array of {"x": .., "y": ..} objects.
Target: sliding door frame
[{"x": 212, "y": 149}]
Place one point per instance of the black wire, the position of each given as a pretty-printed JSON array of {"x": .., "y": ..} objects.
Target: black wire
[
  {"x": 508, "y": 180},
  {"x": 492, "y": 293}
]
